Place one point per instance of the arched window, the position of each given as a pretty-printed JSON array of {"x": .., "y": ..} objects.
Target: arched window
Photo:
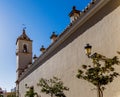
[{"x": 25, "y": 48}]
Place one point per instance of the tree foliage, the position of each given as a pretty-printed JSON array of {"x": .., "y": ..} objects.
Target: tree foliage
[
  {"x": 53, "y": 87},
  {"x": 1, "y": 95},
  {"x": 30, "y": 93},
  {"x": 13, "y": 94},
  {"x": 100, "y": 73}
]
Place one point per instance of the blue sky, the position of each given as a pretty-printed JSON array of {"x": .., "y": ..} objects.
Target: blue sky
[{"x": 41, "y": 18}]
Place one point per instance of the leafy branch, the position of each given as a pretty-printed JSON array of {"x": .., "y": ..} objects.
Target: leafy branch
[
  {"x": 53, "y": 87},
  {"x": 100, "y": 73},
  {"x": 31, "y": 93}
]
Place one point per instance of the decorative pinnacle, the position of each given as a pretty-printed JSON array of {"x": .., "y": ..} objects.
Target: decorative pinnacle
[{"x": 74, "y": 7}]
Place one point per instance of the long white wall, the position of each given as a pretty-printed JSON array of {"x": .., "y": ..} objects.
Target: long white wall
[{"x": 104, "y": 37}]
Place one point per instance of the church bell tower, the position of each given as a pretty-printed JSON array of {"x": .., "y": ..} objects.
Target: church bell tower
[{"x": 23, "y": 53}]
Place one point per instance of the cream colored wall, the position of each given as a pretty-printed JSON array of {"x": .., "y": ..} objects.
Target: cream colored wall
[{"x": 105, "y": 39}]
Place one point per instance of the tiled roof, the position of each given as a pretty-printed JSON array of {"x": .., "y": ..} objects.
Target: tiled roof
[{"x": 23, "y": 37}]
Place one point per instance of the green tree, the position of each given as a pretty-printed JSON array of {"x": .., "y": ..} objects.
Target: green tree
[
  {"x": 1, "y": 95},
  {"x": 30, "y": 92},
  {"x": 53, "y": 87},
  {"x": 13, "y": 94},
  {"x": 100, "y": 73}
]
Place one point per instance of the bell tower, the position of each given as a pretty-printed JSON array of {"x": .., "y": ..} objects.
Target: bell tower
[{"x": 23, "y": 53}]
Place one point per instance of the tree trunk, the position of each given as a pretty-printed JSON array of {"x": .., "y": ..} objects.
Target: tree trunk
[
  {"x": 99, "y": 91},
  {"x": 51, "y": 95}
]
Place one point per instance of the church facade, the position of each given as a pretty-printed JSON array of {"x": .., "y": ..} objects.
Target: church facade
[{"x": 98, "y": 25}]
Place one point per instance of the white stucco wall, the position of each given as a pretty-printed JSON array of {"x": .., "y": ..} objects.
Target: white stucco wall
[{"x": 104, "y": 37}]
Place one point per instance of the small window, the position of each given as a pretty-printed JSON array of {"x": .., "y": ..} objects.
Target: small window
[{"x": 25, "y": 48}]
